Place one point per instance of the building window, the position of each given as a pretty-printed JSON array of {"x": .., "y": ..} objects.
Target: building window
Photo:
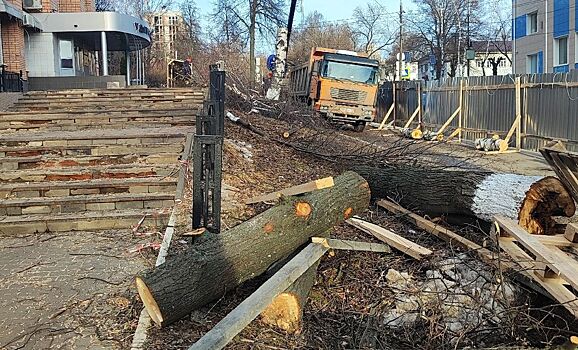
[
  {"x": 532, "y": 64},
  {"x": 532, "y": 23},
  {"x": 561, "y": 51}
]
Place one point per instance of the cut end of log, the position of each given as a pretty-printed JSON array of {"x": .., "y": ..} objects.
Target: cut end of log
[
  {"x": 347, "y": 213},
  {"x": 546, "y": 199},
  {"x": 149, "y": 301},
  {"x": 284, "y": 312},
  {"x": 302, "y": 209}
]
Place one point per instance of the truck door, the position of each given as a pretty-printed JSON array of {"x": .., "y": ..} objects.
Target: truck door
[{"x": 313, "y": 92}]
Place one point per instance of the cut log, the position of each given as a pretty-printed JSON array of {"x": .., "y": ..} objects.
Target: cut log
[
  {"x": 286, "y": 310},
  {"x": 219, "y": 263},
  {"x": 457, "y": 194},
  {"x": 249, "y": 309},
  {"x": 545, "y": 199}
]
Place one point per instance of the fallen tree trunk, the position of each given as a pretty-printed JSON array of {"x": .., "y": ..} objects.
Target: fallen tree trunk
[
  {"x": 473, "y": 194},
  {"x": 219, "y": 263}
]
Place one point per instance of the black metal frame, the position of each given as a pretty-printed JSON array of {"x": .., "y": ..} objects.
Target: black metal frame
[
  {"x": 10, "y": 81},
  {"x": 208, "y": 156}
]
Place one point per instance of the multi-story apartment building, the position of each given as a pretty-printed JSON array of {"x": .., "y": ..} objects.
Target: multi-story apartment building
[
  {"x": 66, "y": 38},
  {"x": 166, "y": 26},
  {"x": 544, "y": 33}
]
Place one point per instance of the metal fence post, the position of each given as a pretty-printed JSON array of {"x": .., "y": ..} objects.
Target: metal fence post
[{"x": 208, "y": 155}]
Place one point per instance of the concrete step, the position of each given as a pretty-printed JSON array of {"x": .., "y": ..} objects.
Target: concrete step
[
  {"x": 117, "y": 92},
  {"x": 110, "y": 99},
  {"x": 111, "y": 112},
  {"x": 88, "y": 173},
  {"x": 86, "y": 221},
  {"x": 85, "y": 187},
  {"x": 81, "y": 203},
  {"x": 99, "y": 106},
  {"x": 100, "y": 149},
  {"x": 100, "y": 136},
  {"x": 51, "y": 161},
  {"x": 64, "y": 125}
]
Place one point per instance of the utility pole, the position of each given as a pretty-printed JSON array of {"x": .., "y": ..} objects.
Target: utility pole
[
  {"x": 400, "y": 39},
  {"x": 290, "y": 21}
]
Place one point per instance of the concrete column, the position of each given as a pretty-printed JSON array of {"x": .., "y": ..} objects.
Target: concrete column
[
  {"x": 127, "y": 57},
  {"x": 104, "y": 53}
]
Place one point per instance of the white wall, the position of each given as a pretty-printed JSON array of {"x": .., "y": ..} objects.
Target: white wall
[{"x": 40, "y": 53}]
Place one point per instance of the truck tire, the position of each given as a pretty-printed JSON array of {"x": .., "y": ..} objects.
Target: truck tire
[{"x": 359, "y": 126}]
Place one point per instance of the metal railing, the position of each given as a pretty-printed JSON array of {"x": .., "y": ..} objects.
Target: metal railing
[{"x": 10, "y": 81}]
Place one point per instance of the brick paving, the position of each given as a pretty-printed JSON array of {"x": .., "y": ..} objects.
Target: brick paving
[{"x": 54, "y": 289}]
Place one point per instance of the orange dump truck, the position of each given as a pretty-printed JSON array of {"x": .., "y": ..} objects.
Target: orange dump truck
[{"x": 339, "y": 84}]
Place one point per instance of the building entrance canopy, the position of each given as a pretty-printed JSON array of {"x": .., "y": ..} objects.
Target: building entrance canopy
[{"x": 123, "y": 32}]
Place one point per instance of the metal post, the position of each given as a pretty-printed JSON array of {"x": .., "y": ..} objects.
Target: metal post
[
  {"x": 142, "y": 70},
  {"x": 127, "y": 57},
  {"x": 208, "y": 155},
  {"x": 103, "y": 45},
  {"x": 3, "y": 81},
  {"x": 138, "y": 66}
]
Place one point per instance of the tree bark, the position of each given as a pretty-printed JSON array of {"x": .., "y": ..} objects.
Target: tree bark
[
  {"x": 219, "y": 263},
  {"x": 467, "y": 193}
]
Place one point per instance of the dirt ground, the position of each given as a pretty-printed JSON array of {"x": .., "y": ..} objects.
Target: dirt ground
[
  {"x": 346, "y": 307},
  {"x": 76, "y": 291}
]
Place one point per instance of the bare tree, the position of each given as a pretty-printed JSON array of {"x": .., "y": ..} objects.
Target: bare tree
[
  {"x": 315, "y": 31},
  {"x": 441, "y": 26},
  {"x": 249, "y": 17},
  {"x": 373, "y": 28}
]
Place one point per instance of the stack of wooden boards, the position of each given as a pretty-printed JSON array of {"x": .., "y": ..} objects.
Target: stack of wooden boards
[{"x": 92, "y": 159}]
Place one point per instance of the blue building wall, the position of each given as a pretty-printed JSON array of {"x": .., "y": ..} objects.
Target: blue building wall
[
  {"x": 561, "y": 18},
  {"x": 519, "y": 27}
]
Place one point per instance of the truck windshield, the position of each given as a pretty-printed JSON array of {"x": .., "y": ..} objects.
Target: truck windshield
[{"x": 349, "y": 71}]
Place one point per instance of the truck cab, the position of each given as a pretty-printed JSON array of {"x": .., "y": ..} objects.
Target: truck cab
[{"x": 341, "y": 85}]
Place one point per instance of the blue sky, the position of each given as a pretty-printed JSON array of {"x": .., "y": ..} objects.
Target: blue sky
[{"x": 332, "y": 10}]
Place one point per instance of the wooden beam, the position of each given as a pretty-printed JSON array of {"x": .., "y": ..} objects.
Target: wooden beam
[
  {"x": 295, "y": 190},
  {"x": 224, "y": 331},
  {"x": 571, "y": 233},
  {"x": 386, "y": 116},
  {"x": 432, "y": 228},
  {"x": 340, "y": 244},
  {"x": 412, "y": 117},
  {"x": 555, "y": 260},
  {"x": 553, "y": 286},
  {"x": 403, "y": 245},
  {"x": 449, "y": 121}
]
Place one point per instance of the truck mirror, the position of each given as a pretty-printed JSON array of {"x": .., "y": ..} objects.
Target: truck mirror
[{"x": 315, "y": 70}]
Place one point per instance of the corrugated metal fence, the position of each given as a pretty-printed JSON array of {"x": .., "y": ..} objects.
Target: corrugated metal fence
[{"x": 548, "y": 104}]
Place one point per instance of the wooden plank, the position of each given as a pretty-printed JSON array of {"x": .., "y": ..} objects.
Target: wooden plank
[
  {"x": 571, "y": 233},
  {"x": 295, "y": 190},
  {"x": 410, "y": 120},
  {"x": 403, "y": 245},
  {"x": 341, "y": 244},
  {"x": 448, "y": 122},
  {"x": 386, "y": 117},
  {"x": 553, "y": 286},
  {"x": 558, "y": 263},
  {"x": 224, "y": 331},
  {"x": 432, "y": 228}
]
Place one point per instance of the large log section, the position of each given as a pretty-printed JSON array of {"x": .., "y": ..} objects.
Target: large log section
[
  {"x": 219, "y": 263},
  {"x": 474, "y": 194}
]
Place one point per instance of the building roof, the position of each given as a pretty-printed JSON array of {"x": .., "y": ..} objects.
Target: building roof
[{"x": 492, "y": 46}]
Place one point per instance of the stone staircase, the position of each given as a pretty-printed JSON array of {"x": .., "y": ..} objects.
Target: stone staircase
[{"x": 92, "y": 159}]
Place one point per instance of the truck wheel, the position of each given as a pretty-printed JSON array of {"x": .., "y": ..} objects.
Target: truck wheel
[{"x": 359, "y": 126}]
